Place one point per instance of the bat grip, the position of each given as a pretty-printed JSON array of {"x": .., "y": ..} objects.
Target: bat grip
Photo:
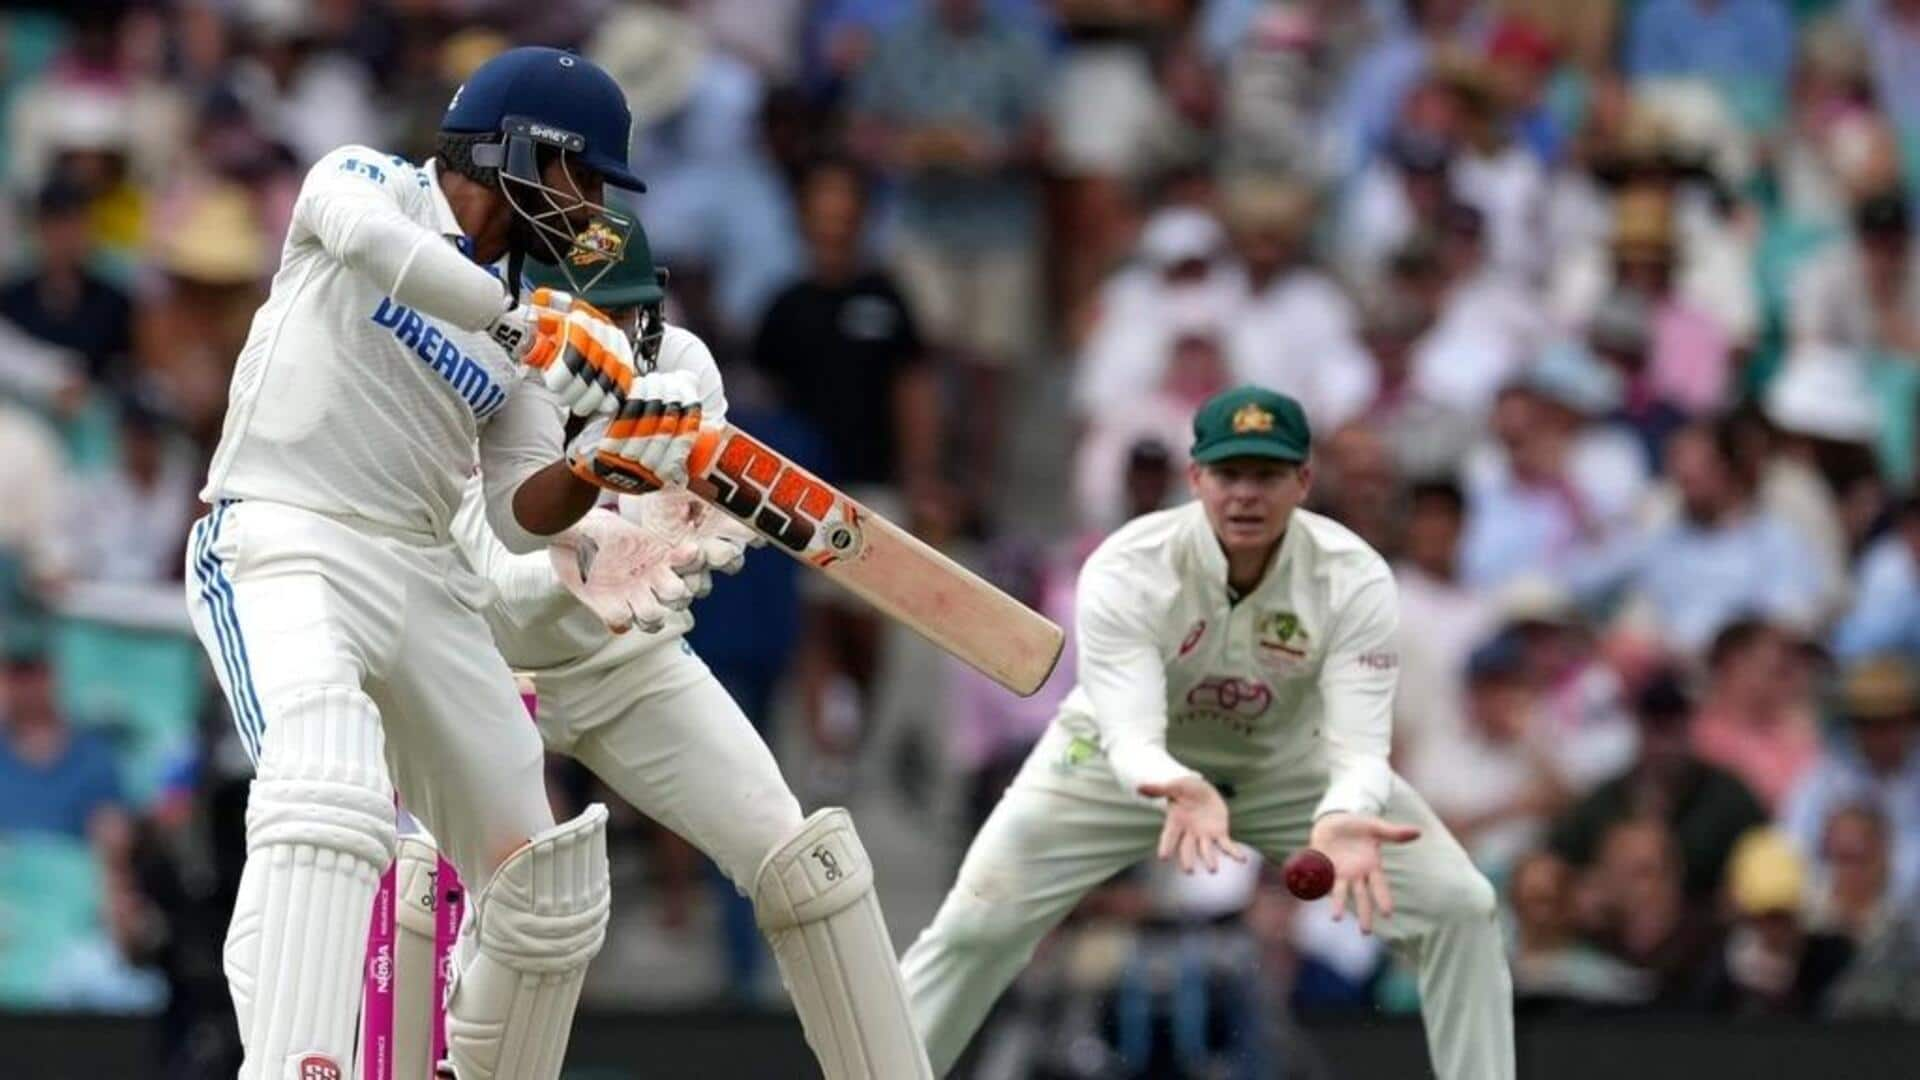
[{"x": 705, "y": 446}]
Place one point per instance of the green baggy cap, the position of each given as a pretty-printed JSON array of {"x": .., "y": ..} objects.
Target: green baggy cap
[{"x": 1250, "y": 421}]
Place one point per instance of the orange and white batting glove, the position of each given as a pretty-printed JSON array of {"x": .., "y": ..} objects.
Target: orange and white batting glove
[
  {"x": 644, "y": 447},
  {"x": 579, "y": 353}
]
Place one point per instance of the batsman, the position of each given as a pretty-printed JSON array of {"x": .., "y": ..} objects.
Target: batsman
[
  {"x": 1236, "y": 679},
  {"x": 388, "y": 363}
]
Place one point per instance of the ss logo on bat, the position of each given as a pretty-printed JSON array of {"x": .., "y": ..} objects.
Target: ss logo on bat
[{"x": 757, "y": 485}]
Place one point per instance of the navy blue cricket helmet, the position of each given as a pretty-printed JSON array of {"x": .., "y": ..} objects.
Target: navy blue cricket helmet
[
  {"x": 554, "y": 89},
  {"x": 536, "y": 98}
]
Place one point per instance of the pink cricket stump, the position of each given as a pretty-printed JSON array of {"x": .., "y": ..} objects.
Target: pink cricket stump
[
  {"x": 377, "y": 1056},
  {"x": 449, "y": 903}
]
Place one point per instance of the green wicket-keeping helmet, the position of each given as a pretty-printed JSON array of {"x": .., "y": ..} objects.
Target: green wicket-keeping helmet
[{"x": 635, "y": 282}]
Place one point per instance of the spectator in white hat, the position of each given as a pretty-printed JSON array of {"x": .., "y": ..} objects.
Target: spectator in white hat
[
  {"x": 1183, "y": 279},
  {"x": 1298, "y": 332},
  {"x": 1822, "y": 478}
]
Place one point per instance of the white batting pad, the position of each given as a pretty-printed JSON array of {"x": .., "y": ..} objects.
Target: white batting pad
[
  {"x": 814, "y": 899},
  {"x": 537, "y": 924},
  {"x": 319, "y": 835},
  {"x": 414, "y": 881}
]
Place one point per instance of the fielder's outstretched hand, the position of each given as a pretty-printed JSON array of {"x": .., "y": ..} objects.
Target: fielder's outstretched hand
[
  {"x": 577, "y": 351},
  {"x": 1352, "y": 842},
  {"x": 644, "y": 447},
  {"x": 622, "y": 571},
  {"x": 1196, "y": 832}
]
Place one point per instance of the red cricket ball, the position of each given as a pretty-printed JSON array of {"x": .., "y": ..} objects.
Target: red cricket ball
[{"x": 1308, "y": 874}]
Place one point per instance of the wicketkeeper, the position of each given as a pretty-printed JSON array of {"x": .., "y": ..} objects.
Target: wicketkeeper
[{"x": 598, "y": 620}]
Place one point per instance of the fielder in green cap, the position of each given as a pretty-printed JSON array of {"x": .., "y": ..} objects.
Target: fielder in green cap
[
  {"x": 1249, "y": 471},
  {"x": 597, "y": 622},
  {"x": 1238, "y": 660}
]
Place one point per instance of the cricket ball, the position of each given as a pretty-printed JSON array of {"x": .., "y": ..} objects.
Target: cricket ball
[{"x": 1308, "y": 874}]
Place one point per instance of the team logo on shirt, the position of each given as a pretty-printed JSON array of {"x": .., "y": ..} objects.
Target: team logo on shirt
[
  {"x": 1243, "y": 697},
  {"x": 1283, "y": 644},
  {"x": 1281, "y": 632},
  {"x": 1225, "y": 703}
]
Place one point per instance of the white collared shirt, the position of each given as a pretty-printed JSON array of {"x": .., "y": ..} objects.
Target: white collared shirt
[
  {"x": 1175, "y": 679},
  {"x": 349, "y": 400}
]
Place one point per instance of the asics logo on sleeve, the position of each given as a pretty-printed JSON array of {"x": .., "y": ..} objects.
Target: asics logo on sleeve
[{"x": 428, "y": 342}]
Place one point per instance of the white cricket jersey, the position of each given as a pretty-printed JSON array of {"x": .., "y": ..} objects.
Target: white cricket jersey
[
  {"x": 367, "y": 379},
  {"x": 537, "y": 624},
  {"x": 1176, "y": 679}
]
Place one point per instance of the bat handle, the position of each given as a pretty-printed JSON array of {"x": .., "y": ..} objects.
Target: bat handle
[{"x": 705, "y": 446}]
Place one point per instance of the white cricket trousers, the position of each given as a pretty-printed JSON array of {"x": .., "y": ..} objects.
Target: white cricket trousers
[
  {"x": 648, "y": 718},
  {"x": 1065, "y": 826},
  {"x": 286, "y": 600}
]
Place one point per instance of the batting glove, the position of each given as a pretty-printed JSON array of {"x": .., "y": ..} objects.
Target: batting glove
[
  {"x": 714, "y": 542},
  {"x": 580, "y": 354},
  {"x": 644, "y": 447},
  {"x": 623, "y": 572}
]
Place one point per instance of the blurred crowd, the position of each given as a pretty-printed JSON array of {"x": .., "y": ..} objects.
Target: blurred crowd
[{"x": 1607, "y": 317}]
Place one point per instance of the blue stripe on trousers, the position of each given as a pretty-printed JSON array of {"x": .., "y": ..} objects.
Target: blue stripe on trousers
[
  {"x": 217, "y": 592},
  {"x": 222, "y": 654}
]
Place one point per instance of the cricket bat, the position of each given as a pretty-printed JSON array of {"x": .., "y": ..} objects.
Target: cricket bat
[{"x": 875, "y": 559}]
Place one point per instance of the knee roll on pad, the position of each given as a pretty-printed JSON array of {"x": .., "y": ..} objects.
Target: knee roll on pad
[
  {"x": 319, "y": 834},
  {"x": 537, "y": 924},
  {"x": 813, "y": 897}
]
